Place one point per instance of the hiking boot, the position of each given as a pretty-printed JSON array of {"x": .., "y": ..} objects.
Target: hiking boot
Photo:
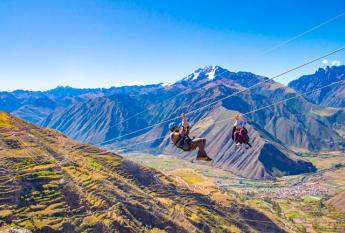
[{"x": 203, "y": 157}]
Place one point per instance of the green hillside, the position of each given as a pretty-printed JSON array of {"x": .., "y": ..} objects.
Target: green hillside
[{"x": 50, "y": 183}]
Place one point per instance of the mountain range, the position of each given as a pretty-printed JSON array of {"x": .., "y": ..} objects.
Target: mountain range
[
  {"x": 334, "y": 96},
  {"x": 102, "y": 116}
]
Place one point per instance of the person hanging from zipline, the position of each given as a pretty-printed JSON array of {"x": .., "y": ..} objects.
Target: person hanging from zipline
[
  {"x": 240, "y": 133},
  {"x": 179, "y": 137}
]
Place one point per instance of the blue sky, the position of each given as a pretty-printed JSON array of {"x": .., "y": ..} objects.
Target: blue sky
[{"x": 94, "y": 43}]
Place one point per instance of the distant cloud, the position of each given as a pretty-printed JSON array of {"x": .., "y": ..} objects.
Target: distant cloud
[
  {"x": 325, "y": 61},
  {"x": 135, "y": 83},
  {"x": 336, "y": 63}
]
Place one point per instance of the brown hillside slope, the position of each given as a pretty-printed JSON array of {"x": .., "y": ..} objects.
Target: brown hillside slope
[
  {"x": 338, "y": 201},
  {"x": 50, "y": 183}
]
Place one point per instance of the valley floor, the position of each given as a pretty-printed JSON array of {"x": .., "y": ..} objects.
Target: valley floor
[{"x": 298, "y": 203}]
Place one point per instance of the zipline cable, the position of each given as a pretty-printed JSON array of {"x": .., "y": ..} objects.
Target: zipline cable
[
  {"x": 146, "y": 110},
  {"x": 250, "y": 112},
  {"x": 228, "y": 96},
  {"x": 259, "y": 55},
  {"x": 302, "y": 34}
]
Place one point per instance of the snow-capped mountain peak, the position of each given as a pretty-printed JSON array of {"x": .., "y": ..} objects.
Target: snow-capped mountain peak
[
  {"x": 211, "y": 74},
  {"x": 208, "y": 72}
]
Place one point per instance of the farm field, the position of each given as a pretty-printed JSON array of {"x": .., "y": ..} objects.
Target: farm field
[{"x": 300, "y": 203}]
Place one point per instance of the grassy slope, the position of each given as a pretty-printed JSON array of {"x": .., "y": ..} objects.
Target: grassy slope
[{"x": 51, "y": 182}]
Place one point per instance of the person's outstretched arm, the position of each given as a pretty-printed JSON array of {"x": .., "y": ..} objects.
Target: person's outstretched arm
[
  {"x": 184, "y": 121},
  {"x": 185, "y": 125},
  {"x": 233, "y": 133}
]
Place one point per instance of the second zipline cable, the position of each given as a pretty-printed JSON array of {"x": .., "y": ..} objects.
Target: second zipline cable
[
  {"x": 228, "y": 96},
  {"x": 252, "y": 111}
]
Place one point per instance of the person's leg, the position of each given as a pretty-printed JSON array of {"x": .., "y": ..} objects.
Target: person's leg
[
  {"x": 244, "y": 135},
  {"x": 200, "y": 143},
  {"x": 237, "y": 137},
  {"x": 202, "y": 146}
]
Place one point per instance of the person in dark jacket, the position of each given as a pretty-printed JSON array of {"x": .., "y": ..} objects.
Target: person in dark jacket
[
  {"x": 240, "y": 133},
  {"x": 179, "y": 137}
]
